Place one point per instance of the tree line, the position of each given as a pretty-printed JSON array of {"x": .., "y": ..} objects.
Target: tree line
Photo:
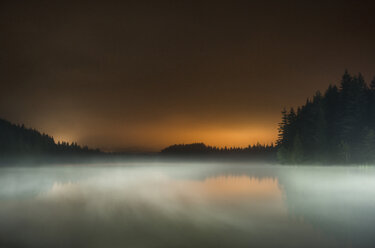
[
  {"x": 19, "y": 140},
  {"x": 335, "y": 127},
  {"x": 256, "y": 151}
]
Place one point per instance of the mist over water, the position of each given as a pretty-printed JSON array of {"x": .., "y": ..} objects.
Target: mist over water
[{"x": 181, "y": 204}]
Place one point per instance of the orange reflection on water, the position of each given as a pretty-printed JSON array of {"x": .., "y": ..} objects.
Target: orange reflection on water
[
  {"x": 260, "y": 195},
  {"x": 236, "y": 186},
  {"x": 242, "y": 185}
]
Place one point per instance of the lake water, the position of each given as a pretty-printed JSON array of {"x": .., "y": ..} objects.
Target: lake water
[{"x": 175, "y": 204}]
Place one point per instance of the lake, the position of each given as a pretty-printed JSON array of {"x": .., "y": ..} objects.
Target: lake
[{"x": 187, "y": 204}]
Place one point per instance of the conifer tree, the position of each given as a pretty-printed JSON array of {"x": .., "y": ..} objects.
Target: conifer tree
[{"x": 336, "y": 127}]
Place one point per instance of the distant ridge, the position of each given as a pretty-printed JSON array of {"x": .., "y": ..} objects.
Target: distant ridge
[
  {"x": 19, "y": 140},
  {"x": 254, "y": 151}
]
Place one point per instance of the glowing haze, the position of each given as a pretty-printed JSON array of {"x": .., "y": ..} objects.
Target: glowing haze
[{"x": 124, "y": 75}]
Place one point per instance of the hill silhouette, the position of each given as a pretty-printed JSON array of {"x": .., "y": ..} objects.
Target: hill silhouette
[
  {"x": 253, "y": 151},
  {"x": 17, "y": 140}
]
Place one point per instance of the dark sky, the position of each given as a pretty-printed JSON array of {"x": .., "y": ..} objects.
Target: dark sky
[{"x": 133, "y": 75}]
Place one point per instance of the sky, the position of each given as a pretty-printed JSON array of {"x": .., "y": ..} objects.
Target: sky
[{"x": 142, "y": 75}]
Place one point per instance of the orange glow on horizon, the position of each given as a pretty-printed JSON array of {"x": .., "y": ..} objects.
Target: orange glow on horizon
[
  {"x": 156, "y": 138},
  {"x": 162, "y": 137}
]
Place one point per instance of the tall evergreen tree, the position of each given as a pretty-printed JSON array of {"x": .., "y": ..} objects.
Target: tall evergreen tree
[{"x": 334, "y": 127}]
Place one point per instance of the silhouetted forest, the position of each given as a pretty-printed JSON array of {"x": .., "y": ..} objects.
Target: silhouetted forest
[
  {"x": 19, "y": 140},
  {"x": 335, "y": 127},
  {"x": 254, "y": 151}
]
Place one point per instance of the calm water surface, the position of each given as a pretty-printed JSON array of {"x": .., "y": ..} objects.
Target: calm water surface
[{"x": 187, "y": 205}]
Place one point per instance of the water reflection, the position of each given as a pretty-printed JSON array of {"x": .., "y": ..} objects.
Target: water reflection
[
  {"x": 237, "y": 186},
  {"x": 205, "y": 199},
  {"x": 201, "y": 206}
]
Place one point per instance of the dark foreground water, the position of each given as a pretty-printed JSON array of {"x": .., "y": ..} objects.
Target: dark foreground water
[{"x": 187, "y": 205}]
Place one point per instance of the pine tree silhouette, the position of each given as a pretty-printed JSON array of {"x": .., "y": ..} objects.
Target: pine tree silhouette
[{"x": 336, "y": 127}]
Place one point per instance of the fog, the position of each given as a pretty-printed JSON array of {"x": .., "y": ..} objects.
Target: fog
[{"x": 186, "y": 204}]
